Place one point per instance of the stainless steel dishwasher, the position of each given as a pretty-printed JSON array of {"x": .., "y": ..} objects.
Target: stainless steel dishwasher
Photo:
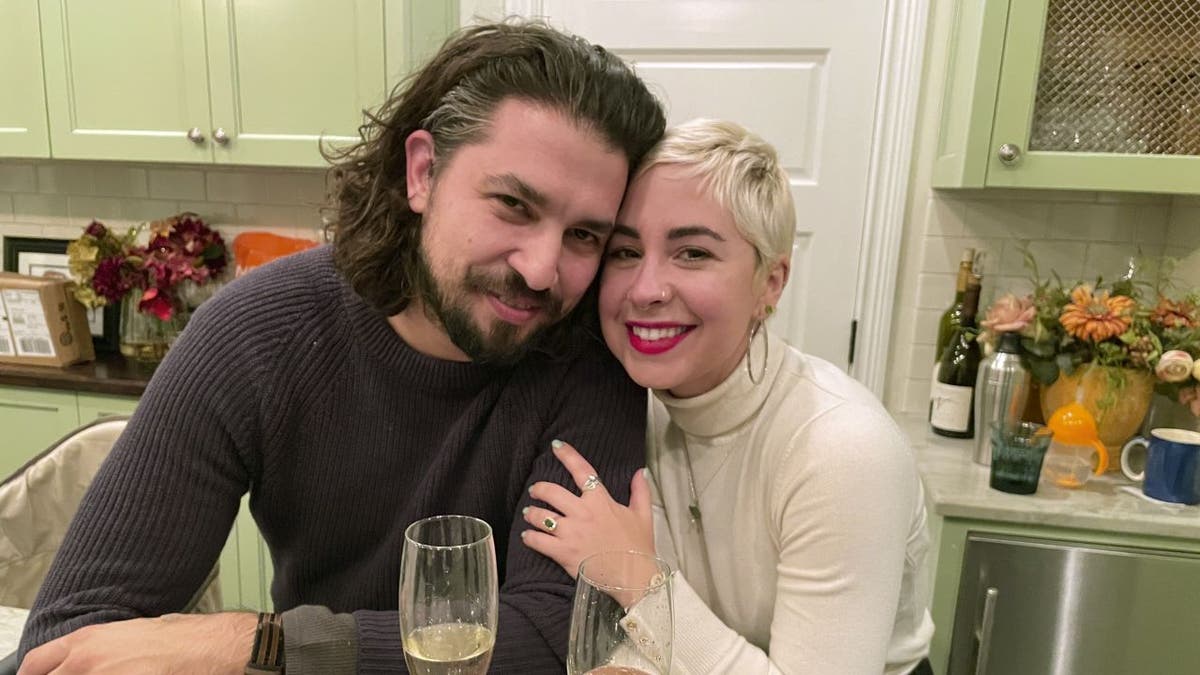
[{"x": 1042, "y": 607}]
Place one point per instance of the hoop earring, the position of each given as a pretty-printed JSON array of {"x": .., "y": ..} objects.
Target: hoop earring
[{"x": 762, "y": 372}]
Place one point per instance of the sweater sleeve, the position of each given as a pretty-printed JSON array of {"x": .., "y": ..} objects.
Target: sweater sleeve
[
  {"x": 152, "y": 523},
  {"x": 599, "y": 410},
  {"x": 842, "y": 501}
]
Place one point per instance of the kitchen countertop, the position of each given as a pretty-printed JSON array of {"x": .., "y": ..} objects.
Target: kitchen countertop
[
  {"x": 108, "y": 374},
  {"x": 956, "y": 486}
]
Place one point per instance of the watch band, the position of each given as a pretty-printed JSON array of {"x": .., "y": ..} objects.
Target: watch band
[{"x": 266, "y": 657}]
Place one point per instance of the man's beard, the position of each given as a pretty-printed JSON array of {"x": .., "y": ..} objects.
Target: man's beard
[{"x": 501, "y": 343}]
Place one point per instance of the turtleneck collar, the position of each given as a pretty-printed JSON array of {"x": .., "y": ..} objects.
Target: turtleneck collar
[{"x": 732, "y": 403}]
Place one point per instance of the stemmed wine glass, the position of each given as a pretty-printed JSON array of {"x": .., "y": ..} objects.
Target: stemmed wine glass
[
  {"x": 448, "y": 596},
  {"x": 623, "y": 621}
]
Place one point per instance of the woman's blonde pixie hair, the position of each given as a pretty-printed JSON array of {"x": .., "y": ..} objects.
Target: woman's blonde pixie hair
[{"x": 741, "y": 172}]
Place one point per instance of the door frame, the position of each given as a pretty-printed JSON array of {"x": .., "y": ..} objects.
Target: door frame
[{"x": 901, "y": 63}]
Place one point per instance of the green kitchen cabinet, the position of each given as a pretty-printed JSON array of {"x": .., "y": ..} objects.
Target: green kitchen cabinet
[
  {"x": 23, "y": 130},
  {"x": 1066, "y": 94},
  {"x": 224, "y": 81},
  {"x": 95, "y": 406},
  {"x": 31, "y": 420},
  {"x": 1058, "y": 609},
  {"x": 246, "y": 569}
]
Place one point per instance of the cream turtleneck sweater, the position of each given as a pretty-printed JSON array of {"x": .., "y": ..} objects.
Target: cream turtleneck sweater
[{"x": 813, "y": 554}]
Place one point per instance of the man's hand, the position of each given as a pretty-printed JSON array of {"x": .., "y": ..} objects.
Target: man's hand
[{"x": 205, "y": 644}]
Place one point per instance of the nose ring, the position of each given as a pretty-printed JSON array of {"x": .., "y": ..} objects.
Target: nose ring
[{"x": 662, "y": 295}]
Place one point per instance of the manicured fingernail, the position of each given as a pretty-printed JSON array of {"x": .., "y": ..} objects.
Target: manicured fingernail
[
  {"x": 646, "y": 473},
  {"x": 530, "y": 489},
  {"x": 523, "y": 533},
  {"x": 525, "y": 510},
  {"x": 556, "y": 444}
]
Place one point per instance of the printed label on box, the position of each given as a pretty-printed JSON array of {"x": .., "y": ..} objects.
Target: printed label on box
[
  {"x": 6, "y": 343},
  {"x": 30, "y": 332}
]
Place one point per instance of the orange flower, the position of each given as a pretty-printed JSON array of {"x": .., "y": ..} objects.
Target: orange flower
[
  {"x": 1096, "y": 316},
  {"x": 1171, "y": 314}
]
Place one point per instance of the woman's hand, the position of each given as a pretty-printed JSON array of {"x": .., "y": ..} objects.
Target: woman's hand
[{"x": 577, "y": 526}]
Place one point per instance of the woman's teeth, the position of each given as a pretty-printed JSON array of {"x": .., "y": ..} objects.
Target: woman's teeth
[{"x": 650, "y": 334}]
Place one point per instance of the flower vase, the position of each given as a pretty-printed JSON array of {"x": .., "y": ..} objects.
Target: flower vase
[
  {"x": 1117, "y": 397},
  {"x": 145, "y": 337}
]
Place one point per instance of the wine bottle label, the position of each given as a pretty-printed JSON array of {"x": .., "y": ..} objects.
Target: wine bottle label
[{"x": 951, "y": 407}]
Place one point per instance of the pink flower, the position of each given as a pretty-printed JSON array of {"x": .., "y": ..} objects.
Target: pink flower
[
  {"x": 1174, "y": 366},
  {"x": 95, "y": 229},
  {"x": 156, "y": 303},
  {"x": 1009, "y": 314},
  {"x": 1190, "y": 397}
]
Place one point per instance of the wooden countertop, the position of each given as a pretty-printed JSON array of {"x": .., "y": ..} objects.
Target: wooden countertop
[{"x": 108, "y": 374}]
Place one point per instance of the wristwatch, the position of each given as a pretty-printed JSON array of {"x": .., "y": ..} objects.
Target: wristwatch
[{"x": 266, "y": 657}]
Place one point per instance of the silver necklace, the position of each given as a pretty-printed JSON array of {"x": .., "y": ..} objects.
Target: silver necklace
[{"x": 694, "y": 506}]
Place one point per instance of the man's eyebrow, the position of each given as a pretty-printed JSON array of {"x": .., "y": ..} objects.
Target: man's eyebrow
[
  {"x": 521, "y": 189},
  {"x": 693, "y": 231}
]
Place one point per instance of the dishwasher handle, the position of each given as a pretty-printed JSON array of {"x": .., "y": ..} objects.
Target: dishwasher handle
[{"x": 984, "y": 633}]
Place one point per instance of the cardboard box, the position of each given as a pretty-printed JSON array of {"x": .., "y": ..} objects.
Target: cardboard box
[{"x": 41, "y": 322}]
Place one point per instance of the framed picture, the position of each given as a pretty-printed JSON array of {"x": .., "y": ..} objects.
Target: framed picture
[{"x": 48, "y": 258}]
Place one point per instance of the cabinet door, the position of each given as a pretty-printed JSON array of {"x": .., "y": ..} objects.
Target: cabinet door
[
  {"x": 30, "y": 420},
  {"x": 23, "y": 103},
  {"x": 1098, "y": 95},
  {"x": 246, "y": 569},
  {"x": 287, "y": 75},
  {"x": 126, "y": 79},
  {"x": 95, "y": 406}
]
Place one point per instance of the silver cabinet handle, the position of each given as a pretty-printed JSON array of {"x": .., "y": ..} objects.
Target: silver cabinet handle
[
  {"x": 1009, "y": 153},
  {"x": 220, "y": 136},
  {"x": 984, "y": 634},
  {"x": 195, "y": 135}
]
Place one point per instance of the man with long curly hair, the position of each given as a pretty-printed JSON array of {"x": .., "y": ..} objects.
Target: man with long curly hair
[{"x": 421, "y": 364}]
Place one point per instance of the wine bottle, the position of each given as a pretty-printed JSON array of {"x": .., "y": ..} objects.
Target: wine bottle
[
  {"x": 951, "y": 318},
  {"x": 952, "y": 409}
]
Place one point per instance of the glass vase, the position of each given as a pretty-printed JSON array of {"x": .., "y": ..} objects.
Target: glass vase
[{"x": 145, "y": 337}]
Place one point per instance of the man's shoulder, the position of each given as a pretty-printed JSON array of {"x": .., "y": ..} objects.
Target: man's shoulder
[{"x": 301, "y": 277}]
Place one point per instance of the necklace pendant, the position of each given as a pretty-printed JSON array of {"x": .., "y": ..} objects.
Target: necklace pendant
[{"x": 694, "y": 509}]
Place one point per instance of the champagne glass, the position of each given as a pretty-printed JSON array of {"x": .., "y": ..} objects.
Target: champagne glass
[
  {"x": 448, "y": 596},
  {"x": 623, "y": 621}
]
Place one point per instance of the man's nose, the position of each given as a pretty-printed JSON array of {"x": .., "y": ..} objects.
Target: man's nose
[{"x": 537, "y": 258}]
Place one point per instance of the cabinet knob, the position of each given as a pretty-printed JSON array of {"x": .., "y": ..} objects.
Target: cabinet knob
[
  {"x": 1009, "y": 153},
  {"x": 195, "y": 135},
  {"x": 220, "y": 136}
]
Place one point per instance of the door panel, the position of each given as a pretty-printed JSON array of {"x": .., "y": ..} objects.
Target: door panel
[
  {"x": 283, "y": 80},
  {"x": 23, "y": 105},
  {"x": 797, "y": 73},
  {"x": 125, "y": 79},
  {"x": 30, "y": 420}
]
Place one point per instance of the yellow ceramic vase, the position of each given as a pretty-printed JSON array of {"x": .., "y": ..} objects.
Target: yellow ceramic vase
[{"x": 1117, "y": 397}]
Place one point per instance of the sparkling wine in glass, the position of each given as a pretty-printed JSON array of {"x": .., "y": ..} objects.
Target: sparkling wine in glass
[
  {"x": 448, "y": 596},
  {"x": 622, "y": 622}
]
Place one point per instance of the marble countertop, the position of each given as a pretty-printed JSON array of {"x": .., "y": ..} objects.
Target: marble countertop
[{"x": 958, "y": 487}]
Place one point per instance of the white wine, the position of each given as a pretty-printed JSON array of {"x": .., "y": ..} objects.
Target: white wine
[{"x": 449, "y": 649}]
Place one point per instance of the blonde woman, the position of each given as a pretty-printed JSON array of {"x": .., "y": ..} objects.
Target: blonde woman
[{"x": 779, "y": 488}]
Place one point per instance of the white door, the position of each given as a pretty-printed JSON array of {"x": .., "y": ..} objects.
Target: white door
[{"x": 803, "y": 74}]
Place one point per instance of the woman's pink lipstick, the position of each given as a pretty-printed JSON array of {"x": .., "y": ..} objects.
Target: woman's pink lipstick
[{"x": 659, "y": 345}]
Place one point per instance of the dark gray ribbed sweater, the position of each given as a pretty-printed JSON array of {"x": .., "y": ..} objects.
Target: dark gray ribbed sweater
[{"x": 288, "y": 384}]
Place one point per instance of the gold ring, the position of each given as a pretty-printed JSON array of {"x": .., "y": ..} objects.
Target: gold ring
[
  {"x": 549, "y": 523},
  {"x": 592, "y": 482}
]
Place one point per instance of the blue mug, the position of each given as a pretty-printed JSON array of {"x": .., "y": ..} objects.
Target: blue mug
[{"x": 1172, "y": 472}]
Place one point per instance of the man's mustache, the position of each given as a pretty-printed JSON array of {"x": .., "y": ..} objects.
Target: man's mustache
[{"x": 511, "y": 286}]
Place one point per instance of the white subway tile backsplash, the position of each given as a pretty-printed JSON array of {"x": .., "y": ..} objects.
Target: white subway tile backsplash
[
  {"x": 942, "y": 254},
  {"x": 6, "y": 208},
  {"x": 274, "y": 215},
  {"x": 1107, "y": 261},
  {"x": 1184, "y": 228},
  {"x": 1094, "y": 222},
  {"x": 1150, "y": 228},
  {"x": 145, "y": 210},
  {"x": 916, "y": 391},
  {"x": 16, "y": 177},
  {"x": 306, "y": 187},
  {"x": 119, "y": 181},
  {"x": 83, "y": 210},
  {"x": 177, "y": 184},
  {"x": 70, "y": 178},
  {"x": 935, "y": 291},
  {"x": 1006, "y": 220},
  {"x": 236, "y": 186},
  {"x": 943, "y": 217},
  {"x": 40, "y": 209},
  {"x": 927, "y": 325},
  {"x": 213, "y": 213},
  {"x": 23, "y": 230}
]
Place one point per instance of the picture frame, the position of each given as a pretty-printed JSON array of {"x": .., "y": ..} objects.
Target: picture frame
[{"x": 37, "y": 256}]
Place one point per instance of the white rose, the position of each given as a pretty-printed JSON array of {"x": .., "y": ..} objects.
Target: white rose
[
  {"x": 1174, "y": 366},
  {"x": 1196, "y": 370}
]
